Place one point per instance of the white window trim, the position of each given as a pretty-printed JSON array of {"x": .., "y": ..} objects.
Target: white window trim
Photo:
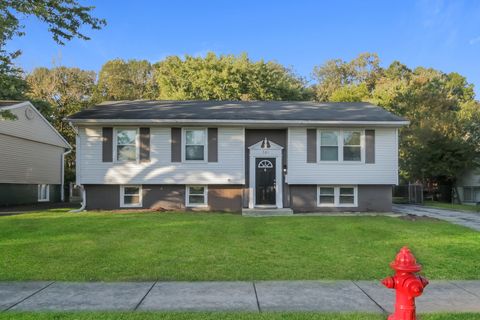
[
  {"x": 196, "y": 205},
  {"x": 47, "y": 186},
  {"x": 137, "y": 145},
  {"x": 473, "y": 193},
  {"x": 205, "y": 146},
  {"x": 337, "y": 197},
  {"x": 340, "y": 146},
  {"x": 122, "y": 196}
]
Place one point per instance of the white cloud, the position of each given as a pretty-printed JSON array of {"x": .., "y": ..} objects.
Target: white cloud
[{"x": 474, "y": 41}]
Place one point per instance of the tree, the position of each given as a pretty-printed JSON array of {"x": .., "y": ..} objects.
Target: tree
[
  {"x": 64, "y": 19},
  {"x": 58, "y": 93},
  {"x": 443, "y": 137},
  {"x": 226, "y": 77},
  {"x": 337, "y": 74},
  {"x": 125, "y": 80}
]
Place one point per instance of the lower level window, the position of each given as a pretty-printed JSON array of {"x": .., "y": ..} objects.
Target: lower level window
[
  {"x": 471, "y": 194},
  {"x": 130, "y": 196},
  {"x": 196, "y": 196},
  {"x": 43, "y": 192},
  {"x": 337, "y": 196}
]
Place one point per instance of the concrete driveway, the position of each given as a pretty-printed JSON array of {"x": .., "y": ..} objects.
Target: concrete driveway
[{"x": 466, "y": 219}]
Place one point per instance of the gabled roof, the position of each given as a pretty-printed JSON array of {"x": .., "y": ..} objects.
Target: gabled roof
[
  {"x": 235, "y": 112},
  {"x": 30, "y": 124}
]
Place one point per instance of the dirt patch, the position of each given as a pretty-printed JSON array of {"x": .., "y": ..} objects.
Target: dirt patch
[{"x": 413, "y": 217}]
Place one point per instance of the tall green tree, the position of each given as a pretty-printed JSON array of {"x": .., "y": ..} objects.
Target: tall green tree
[
  {"x": 58, "y": 93},
  {"x": 125, "y": 80},
  {"x": 65, "y": 20},
  {"x": 226, "y": 77},
  {"x": 351, "y": 77},
  {"x": 443, "y": 137}
]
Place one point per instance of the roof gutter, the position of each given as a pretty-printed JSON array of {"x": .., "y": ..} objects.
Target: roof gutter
[{"x": 394, "y": 124}]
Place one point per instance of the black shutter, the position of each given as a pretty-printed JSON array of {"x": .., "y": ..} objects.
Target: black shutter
[
  {"x": 369, "y": 146},
  {"x": 107, "y": 144},
  {"x": 311, "y": 145},
  {"x": 144, "y": 144},
  {"x": 176, "y": 144},
  {"x": 212, "y": 145}
]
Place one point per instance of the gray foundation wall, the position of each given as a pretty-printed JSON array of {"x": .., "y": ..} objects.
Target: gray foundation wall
[
  {"x": 373, "y": 198},
  {"x": 12, "y": 194},
  {"x": 227, "y": 198}
]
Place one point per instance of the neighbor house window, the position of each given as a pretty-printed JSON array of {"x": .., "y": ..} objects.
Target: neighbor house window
[
  {"x": 130, "y": 196},
  {"x": 43, "y": 192},
  {"x": 328, "y": 146},
  {"x": 352, "y": 147},
  {"x": 471, "y": 194},
  {"x": 196, "y": 196},
  {"x": 195, "y": 140},
  {"x": 338, "y": 196},
  {"x": 126, "y": 145}
]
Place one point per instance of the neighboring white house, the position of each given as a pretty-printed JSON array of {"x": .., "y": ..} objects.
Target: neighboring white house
[
  {"x": 468, "y": 186},
  {"x": 31, "y": 156},
  {"x": 230, "y": 155}
]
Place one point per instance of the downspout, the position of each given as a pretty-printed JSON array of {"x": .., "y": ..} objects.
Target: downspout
[
  {"x": 84, "y": 201},
  {"x": 84, "y": 195}
]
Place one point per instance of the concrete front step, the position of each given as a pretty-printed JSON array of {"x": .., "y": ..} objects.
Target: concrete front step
[{"x": 267, "y": 212}]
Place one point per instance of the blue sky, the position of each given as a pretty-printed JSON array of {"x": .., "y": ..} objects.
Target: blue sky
[{"x": 300, "y": 34}]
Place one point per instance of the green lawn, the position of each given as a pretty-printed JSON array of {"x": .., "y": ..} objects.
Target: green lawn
[
  {"x": 461, "y": 207},
  {"x": 56, "y": 245},
  {"x": 222, "y": 316}
]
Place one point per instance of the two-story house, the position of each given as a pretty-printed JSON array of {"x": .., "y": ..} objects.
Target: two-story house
[
  {"x": 231, "y": 155},
  {"x": 32, "y": 157}
]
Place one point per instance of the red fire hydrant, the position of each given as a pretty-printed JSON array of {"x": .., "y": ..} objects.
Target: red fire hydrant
[{"x": 406, "y": 283}]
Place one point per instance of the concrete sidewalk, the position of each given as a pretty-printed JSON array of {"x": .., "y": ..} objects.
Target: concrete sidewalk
[{"x": 347, "y": 296}]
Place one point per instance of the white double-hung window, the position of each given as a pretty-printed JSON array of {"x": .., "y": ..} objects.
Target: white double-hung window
[
  {"x": 196, "y": 196},
  {"x": 43, "y": 192},
  {"x": 328, "y": 146},
  {"x": 340, "y": 145},
  {"x": 352, "y": 146},
  {"x": 337, "y": 196},
  {"x": 126, "y": 145},
  {"x": 130, "y": 196},
  {"x": 195, "y": 144}
]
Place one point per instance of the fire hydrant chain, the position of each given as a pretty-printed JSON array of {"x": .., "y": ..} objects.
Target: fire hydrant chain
[{"x": 406, "y": 283}]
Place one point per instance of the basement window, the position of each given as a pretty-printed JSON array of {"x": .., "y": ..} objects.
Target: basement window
[
  {"x": 337, "y": 196},
  {"x": 196, "y": 196},
  {"x": 130, "y": 196},
  {"x": 43, "y": 192}
]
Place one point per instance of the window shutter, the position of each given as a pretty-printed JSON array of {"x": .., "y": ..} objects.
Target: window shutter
[
  {"x": 212, "y": 145},
  {"x": 144, "y": 144},
  {"x": 176, "y": 144},
  {"x": 311, "y": 145},
  {"x": 369, "y": 146},
  {"x": 107, "y": 144}
]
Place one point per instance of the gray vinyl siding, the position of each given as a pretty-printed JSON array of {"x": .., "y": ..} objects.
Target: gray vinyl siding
[
  {"x": 35, "y": 129},
  {"x": 28, "y": 162}
]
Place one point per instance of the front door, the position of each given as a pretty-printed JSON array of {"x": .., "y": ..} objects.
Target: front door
[{"x": 265, "y": 181}]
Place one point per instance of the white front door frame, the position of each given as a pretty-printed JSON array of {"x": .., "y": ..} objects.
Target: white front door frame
[{"x": 265, "y": 149}]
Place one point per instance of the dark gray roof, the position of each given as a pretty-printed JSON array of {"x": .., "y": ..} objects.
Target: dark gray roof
[{"x": 236, "y": 110}]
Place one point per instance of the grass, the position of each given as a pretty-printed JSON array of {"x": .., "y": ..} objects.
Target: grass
[
  {"x": 450, "y": 206},
  {"x": 222, "y": 316},
  {"x": 94, "y": 246}
]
